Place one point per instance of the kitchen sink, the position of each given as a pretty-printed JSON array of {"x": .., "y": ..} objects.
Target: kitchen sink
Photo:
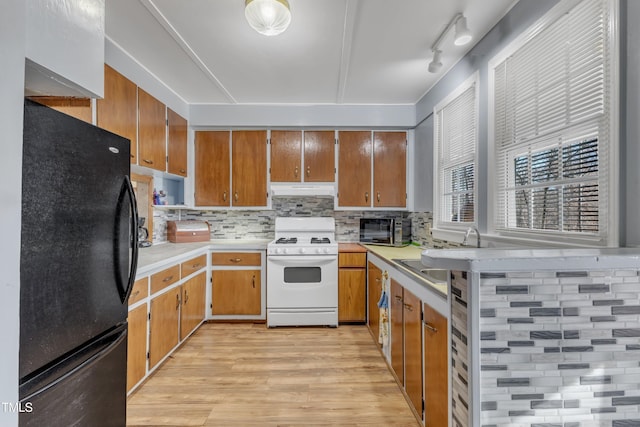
[{"x": 433, "y": 275}]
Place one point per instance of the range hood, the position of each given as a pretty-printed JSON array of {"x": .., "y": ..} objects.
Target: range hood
[{"x": 303, "y": 190}]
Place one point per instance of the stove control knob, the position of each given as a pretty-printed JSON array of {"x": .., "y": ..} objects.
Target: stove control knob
[
  {"x": 285, "y": 250},
  {"x": 302, "y": 250},
  {"x": 319, "y": 250},
  {"x": 326, "y": 250}
]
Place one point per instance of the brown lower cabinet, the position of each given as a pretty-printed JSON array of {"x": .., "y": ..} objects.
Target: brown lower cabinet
[
  {"x": 193, "y": 301},
  {"x": 236, "y": 292},
  {"x": 374, "y": 291},
  {"x": 397, "y": 330},
  {"x": 436, "y": 370},
  {"x": 413, "y": 349},
  {"x": 136, "y": 345},
  {"x": 163, "y": 326},
  {"x": 352, "y": 287}
]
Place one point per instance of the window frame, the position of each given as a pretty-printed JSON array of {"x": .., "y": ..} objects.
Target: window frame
[
  {"x": 610, "y": 223},
  {"x": 439, "y": 223}
]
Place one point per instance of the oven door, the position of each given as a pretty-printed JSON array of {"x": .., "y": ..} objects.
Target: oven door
[{"x": 302, "y": 281}]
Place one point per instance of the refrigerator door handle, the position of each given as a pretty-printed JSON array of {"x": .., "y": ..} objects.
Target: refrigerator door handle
[{"x": 126, "y": 291}]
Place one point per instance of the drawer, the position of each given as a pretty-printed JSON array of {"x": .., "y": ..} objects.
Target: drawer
[
  {"x": 140, "y": 290},
  {"x": 193, "y": 265},
  {"x": 164, "y": 278},
  {"x": 236, "y": 258},
  {"x": 352, "y": 259}
]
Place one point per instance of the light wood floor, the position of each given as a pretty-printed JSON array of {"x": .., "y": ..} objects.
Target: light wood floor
[{"x": 248, "y": 375}]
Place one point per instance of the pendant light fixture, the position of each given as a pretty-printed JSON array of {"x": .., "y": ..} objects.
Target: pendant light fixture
[
  {"x": 268, "y": 17},
  {"x": 462, "y": 36}
]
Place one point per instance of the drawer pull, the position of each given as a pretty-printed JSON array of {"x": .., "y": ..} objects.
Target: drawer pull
[
  {"x": 398, "y": 298},
  {"x": 167, "y": 279},
  {"x": 196, "y": 265},
  {"x": 135, "y": 294},
  {"x": 408, "y": 307},
  {"x": 224, "y": 196},
  {"x": 295, "y": 172},
  {"x": 378, "y": 196},
  {"x": 149, "y": 162},
  {"x": 186, "y": 296},
  {"x": 308, "y": 171},
  {"x": 429, "y": 327},
  {"x": 253, "y": 281},
  {"x": 235, "y": 259},
  {"x": 235, "y": 196},
  {"x": 177, "y": 301},
  {"x": 366, "y": 196}
]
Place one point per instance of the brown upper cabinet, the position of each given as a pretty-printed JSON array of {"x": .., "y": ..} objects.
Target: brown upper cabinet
[
  {"x": 319, "y": 156},
  {"x": 354, "y": 168},
  {"x": 288, "y": 152},
  {"x": 80, "y": 108},
  {"x": 389, "y": 169},
  {"x": 177, "y": 143},
  {"x": 117, "y": 112},
  {"x": 355, "y": 173},
  {"x": 152, "y": 130},
  {"x": 245, "y": 162},
  {"x": 212, "y": 168},
  {"x": 249, "y": 167}
]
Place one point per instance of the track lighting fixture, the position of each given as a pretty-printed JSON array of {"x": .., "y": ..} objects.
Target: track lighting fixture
[{"x": 462, "y": 36}]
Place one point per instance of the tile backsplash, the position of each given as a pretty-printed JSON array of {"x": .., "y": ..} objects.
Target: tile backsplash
[{"x": 259, "y": 224}]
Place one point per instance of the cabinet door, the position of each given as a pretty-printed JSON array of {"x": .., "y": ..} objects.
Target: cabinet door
[
  {"x": 118, "y": 110},
  {"x": 286, "y": 153},
  {"x": 236, "y": 292},
  {"x": 177, "y": 143},
  {"x": 397, "y": 330},
  {"x": 413, "y": 349},
  {"x": 354, "y": 168},
  {"x": 352, "y": 295},
  {"x": 212, "y": 168},
  {"x": 152, "y": 131},
  {"x": 249, "y": 168},
  {"x": 80, "y": 108},
  {"x": 193, "y": 300},
  {"x": 136, "y": 346},
  {"x": 436, "y": 370},
  {"x": 163, "y": 326},
  {"x": 374, "y": 291},
  {"x": 319, "y": 156},
  {"x": 389, "y": 169}
]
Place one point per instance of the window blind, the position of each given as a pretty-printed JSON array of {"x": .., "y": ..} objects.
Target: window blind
[
  {"x": 456, "y": 135},
  {"x": 551, "y": 109}
]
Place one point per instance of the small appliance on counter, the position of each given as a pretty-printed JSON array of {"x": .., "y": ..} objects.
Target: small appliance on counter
[
  {"x": 143, "y": 234},
  {"x": 385, "y": 231},
  {"x": 188, "y": 231}
]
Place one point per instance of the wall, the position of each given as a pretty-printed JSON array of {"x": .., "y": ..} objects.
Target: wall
[
  {"x": 12, "y": 52},
  {"x": 630, "y": 126}
]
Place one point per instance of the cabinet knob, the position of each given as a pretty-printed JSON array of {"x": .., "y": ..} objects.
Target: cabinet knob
[
  {"x": 177, "y": 301},
  {"x": 224, "y": 196},
  {"x": 253, "y": 281},
  {"x": 183, "y": 171},
  {"x": 308, "y": 171},
  {"x": 366, "y": 196},
  {"x": 235, "y": 196},
  {"x": 398, "y": 298},
  {"x": 378, "y": 196},
  {"x": 295, "y": 172}
]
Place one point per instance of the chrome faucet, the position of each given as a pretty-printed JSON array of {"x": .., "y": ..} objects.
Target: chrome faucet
[{"x": 468, "y": 232}]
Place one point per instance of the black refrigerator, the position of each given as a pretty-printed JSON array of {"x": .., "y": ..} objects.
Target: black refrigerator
[{"x": 77, "y": 266}]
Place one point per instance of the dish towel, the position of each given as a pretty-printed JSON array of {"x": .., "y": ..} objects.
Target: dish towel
[{"x": 383, "y": 306}]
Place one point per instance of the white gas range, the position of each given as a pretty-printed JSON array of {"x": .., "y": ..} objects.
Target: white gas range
[{"x": 302, "y": 273}]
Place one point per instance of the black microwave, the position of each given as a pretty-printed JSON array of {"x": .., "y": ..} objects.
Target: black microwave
[{"x": 385, "y": 231}]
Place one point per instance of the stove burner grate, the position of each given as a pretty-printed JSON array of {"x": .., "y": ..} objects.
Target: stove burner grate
[
  {"x": 287, "y": 240},
  {"x": 320, "y": 240}
]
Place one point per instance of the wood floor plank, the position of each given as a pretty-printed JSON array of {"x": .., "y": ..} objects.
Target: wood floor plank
[{"x": 246, "y": 375}]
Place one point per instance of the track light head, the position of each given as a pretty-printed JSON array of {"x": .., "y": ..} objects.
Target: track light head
[
  {"x": 436, "y": 63},
  {"x": 462, "y": 35}
]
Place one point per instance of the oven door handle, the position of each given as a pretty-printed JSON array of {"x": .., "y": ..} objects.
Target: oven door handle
[{"x": 306, "y": 260}]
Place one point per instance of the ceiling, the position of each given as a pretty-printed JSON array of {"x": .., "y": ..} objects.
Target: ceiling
[{"x": 334, "y": 51}]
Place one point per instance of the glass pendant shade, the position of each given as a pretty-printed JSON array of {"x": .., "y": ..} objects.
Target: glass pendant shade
[{"x": 268, "y": 17}]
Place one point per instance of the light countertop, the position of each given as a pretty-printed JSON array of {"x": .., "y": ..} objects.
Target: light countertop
[
  {"x": 158, "y": 254},
  {"x": 389, "y": 253}
]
